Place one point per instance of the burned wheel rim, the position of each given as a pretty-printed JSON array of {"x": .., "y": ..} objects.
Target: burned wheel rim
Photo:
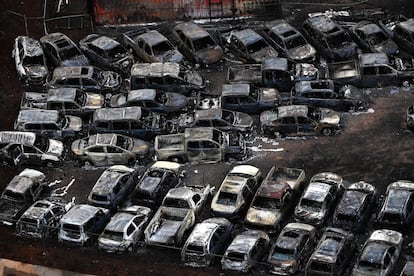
[{"x": 327, "y": 131}]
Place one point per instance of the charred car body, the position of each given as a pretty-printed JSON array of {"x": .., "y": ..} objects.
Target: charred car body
[
  {"x": 107, "y": 53},
  {"x": 21, "y": 192},
  {"x": 410, "y": 117},
  {"x": 196, "y": 43},
  {"x": 404, "y": 34}
]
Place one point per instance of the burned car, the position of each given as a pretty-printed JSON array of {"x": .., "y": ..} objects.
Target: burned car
[
  {"x": 289, "y": 41},
  {"x": 379, "y": 254},
  {"x": 68, "y": 101},
  {"x": 250, "y": 46},
  {"x": 408, "y": 269},
  {"x": 372, "y": 39},
  {"x": 107, "y": 53},
  {"x": 48, "y": 123},
  {"x": 131, "y": 121},
  {"x": 274, "y": 199},
  {"x": 329, "y": 38},
  {"x": 246, "y": 249},
  {"x": 30, "y": 61},
  {"x": 404, "y": 34},
  {"x": 21, "y": 192},
  {"x": 154, "y": 184},
  {"x": 236, "y": 191},
  {"x": 196, "y": 43},
  {"x": 86, "y": 78},
  {"x": 207, "y": 240},
  {"x": 225, "y": 120},
  {"x": 62, "y": 51},
  {"x": 152, "y": 46},
  {"x": 329, "y": 94},
  {"x": 167, "y": 76},
  {"x": 82, "y": 224},
  {"x": 154, "y": 100},
  {"x": 319, "y": 198},
  {"x": 397, "y": 209},
  {"x": 123, "y": 231},
  {"x": 354, "y": 209},
  {"x": 41, "y": 220},
  {"x": 244, "y": 98},
  {"x": 112, "y": 187},
  {"x": 299, "y": 120},
  {"x": 110, "y": 149},
  {"x": 201, "y": 145},
  {"x": 17, "y": 148},
  {"x": 333, "y": 253},
  {"x": 291, "y": 249},
  {"x": 410, "y": 117}
]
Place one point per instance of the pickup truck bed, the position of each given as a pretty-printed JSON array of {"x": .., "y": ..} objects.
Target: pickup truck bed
[
  {"x": 346, "y": 71},
  {"x": 290, "y": 176}
]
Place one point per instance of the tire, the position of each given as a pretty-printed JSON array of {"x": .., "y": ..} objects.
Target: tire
[
  {"x": 50, "y": 164},
  {"x": 5, "y": 163},
  {"x": 278, "y": 134},
  {"x": 88, "y": 163},
  {"x": 406, "y": 83},
  {"x": 327, "y": 131},
  {"x": 176, "y": 159}
]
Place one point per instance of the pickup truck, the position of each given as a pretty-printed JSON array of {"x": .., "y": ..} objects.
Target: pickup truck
[
  {"x": 200, "y": 145},
  {"x": 279, "y": 73},
  {"x": 373, "y": 70}
]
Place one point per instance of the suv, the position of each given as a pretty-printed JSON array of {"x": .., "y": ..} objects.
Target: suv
[
  {"x": 196, "y": 43},
  {"x": 132, "y": 121},
  {"x": 168, "y": 76},
  {"x": 30, "y": 60},
  {"x": 62, "y": 51},
  {"x": 48, "y": 123},
  {"x": 82, "y": 224},
  {"x": 87, "y": 78},
  {"x": 112, "y": 187},
  {"x": 329, "y": 38},
  {"x": 17, "y": 147}
]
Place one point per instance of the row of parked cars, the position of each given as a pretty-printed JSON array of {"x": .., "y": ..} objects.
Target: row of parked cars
[{"x": 124, "y": 207}]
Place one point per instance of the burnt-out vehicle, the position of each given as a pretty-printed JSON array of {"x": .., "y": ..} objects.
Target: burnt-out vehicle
[
  {"x": 236, "y": 191},
  {"x": 397, "y": 209},
  {"x": 18, "y": 148},
  {"x": 246, "y": 249},
  {"x": 201, "y": 145},
  {"x": 86, "y": 78},
  {"x": 154, "y": 184},
  {"x": 167, "y": 76},
  {"x": 30, "y": 61},
  {"x": 207, "y": 240},
  {"x": 21, "y": 192},
  {"x": 250, "y": 46},
  {"x": 372, "y": 39},
  {"x": 82, "y": 224},
  {"x": 222, "y": 119},
  {"x": 403, "y": 34},
  {"x": 274, "y": 199},
  {"x": 319, "y": 198},
  {"x": 333, "y": 253},
  {"x": 373, "y": 70},
  {"x": 329, "y": 38},
  {"x": 107, "y": 53},
  {"x": 329, "y": 94},
  {"x": 292, "y": 248},
  {"x": 68, "y": 101},
  {"x": 354, "y": 209},
  {"x": 62, "y": 51},
  {"x": 49, "y": 123},
  {"x": 112, "y": 187},
  {"x": 243, "y": 97},
  {"x": 379, "y": 254},
  {"x": 124, "y": 230},
  {"x": 151, "y": 46},
  {"x": 110, "y": 149},
  {"x": 154, "y": 100},
  {"x": 196, "y": 43},
  {"x": 41, "y": 220},
  {"x": 408, "y": 268},
  {"x": 132, "y": 121},
  {"x": 288, "y": 41},
  {"x": 410, "y": 117},
  {"x": 292, "y": 120}
]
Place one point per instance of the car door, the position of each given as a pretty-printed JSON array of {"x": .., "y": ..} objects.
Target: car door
[
  {"x": 32, "y": 155},
  {"x": 116, "y": 155},
  {"x": 369, "y": 76},
  {"x": 131, "y": 234},
  {"x": 288, "y": 125},
  {"x": 386, "y": 75},
  {"x": 97, "y": 155}
]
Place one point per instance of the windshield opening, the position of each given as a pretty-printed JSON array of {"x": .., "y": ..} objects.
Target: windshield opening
[
  {"x": 295, "y": 42},
  {"x": 203, "y": 43},
  {"x": 267, "y": 203},
  {"x": 226, "y": 198},
  {"x": 236, "y": 256},
  {"x": 34, "y": 60},
  {"x": 310, "y": 204},
  {"x": 338, "y": 41},
  {"x": 113, "y": 235},
  {"x": 161, "y": 48},
  {"x": 13, "y": 196},
  {"x": 283, "y": 253},
  {"x": 256, "y": 46},
  {"x": 69, "y": 53}
]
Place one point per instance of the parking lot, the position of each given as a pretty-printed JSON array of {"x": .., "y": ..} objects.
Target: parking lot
[{"x": 374, "y": 146}]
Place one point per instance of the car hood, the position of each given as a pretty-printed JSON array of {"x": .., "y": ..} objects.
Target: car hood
[
  {"x": 9, "y": 210},
  {"x": 73, "y": 123},
  {"x": 94, "y": 101},
  {"x": 346, "y": 51},
  {"x": 267, "y": 117},
  {"x": 263, "y": 217},
  {"x": 176, "y": 100},
  {"x": 210, "y": 55},
  {"x": 302, "y": 53},
  {"x": 80, "y": 60},
  {"x": 75, "y": 147},
  {"x": 172, "y": 56},
  {"x": 388, "y": 46},
  {"x": 242, "y": 120},
  {"x": 268, "y": 95},
  {"x": 37, "y": 71},
  {"x": 263, "y": 53},
  {"x": 140, "y": 147},
  {"x": 110, "y": 80},
  {"x": 308, "y": 215},
  {"x": 329, "y": 116},
  {"x": 55, "y": 147}
]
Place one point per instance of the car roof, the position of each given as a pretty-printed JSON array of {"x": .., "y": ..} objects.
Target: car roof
[
  {"x": 374, "y": 252},
  {"x": 181, "y": 193},
  {"x": 141, "y": 94},
  {"x": 292, "y": 110},
  {"x": 275, "y": 63},
  {"x": 244, "y": 241},
  {"x": 386, "y": 235},
  {"x": 370, "y": 28},
  {"x": 247, "y": 36},
  {"x": 330, "y": 244},
  {"x": 248, "y": 170},
  {"x": 235, "y": 89},
  {"x": 396, "y": 200},
  {"x": 192, "y": 30},
  {"x": 208, "y": 114},
  {"x": 24, "y": 180},
  {"x": 102, "y": 139},
  {"x": 202, "y": 233},
  {"x": 153, "y": 37},
  {"x": 200, "y": 133},
  {"x": 104, "y": 43},
  {"x": 172, "y": 166},
  {"x": 31, "y": 46},
  {"x": 58, "y": 40},
  {"x": 373, "y": 59},
  {"x": 281, "y": 27},
  {"x": 109, "y": 179},
  {"x": 119, "y": 221},
  {"x": 156, "y": 69},
  {"x": 322, "y": 23},
  {"x": 317, "y": 191},
  {"x": 117, "y": 113},
  {"x": 351, "y": 202},
  {"x": 38, "y": 209},
  {"x": 38, "y": 116},
  {"x": 305, "y": 86},
  {"x": 299, "y": 226},
  {"x": 63, "y": 94},
  {"x": 80, "y": 214},
  {"x": 74, "y": 71},
  {"x": 17, "y": 137},
  {"x": 408, "y": 25}
]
